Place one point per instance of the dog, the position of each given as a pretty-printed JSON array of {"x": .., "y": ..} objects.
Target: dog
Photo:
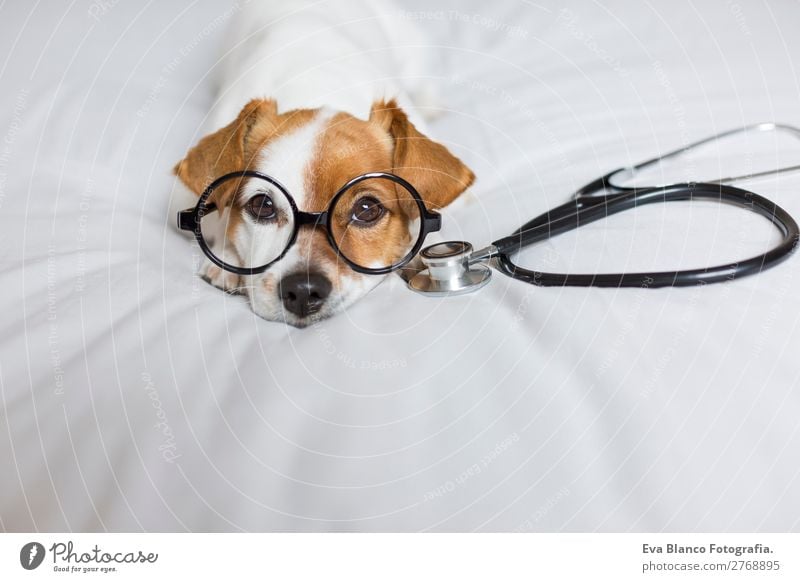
[{"x": 312, "y": 151}]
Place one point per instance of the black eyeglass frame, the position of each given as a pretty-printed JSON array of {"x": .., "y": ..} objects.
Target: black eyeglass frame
[{"x": 190, "y": 219}]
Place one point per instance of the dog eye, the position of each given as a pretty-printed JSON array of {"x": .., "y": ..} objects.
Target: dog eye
[
  {"x": 261, "y": 208},
  {"x": 367, "y": 210}
]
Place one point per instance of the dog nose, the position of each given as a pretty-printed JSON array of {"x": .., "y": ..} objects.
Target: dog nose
[{"x": 304, "y": 293}]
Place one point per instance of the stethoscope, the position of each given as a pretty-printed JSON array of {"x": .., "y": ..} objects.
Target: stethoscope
[{"x": 454, "y": 268}]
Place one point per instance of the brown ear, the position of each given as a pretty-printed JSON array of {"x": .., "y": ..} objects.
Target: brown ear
[
  {"x": 227, "y": 150},
  {"x": 437, "y": 174}
]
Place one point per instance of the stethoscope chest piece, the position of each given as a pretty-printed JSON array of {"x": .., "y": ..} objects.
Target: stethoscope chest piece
[{"x": 449, "y": 271}]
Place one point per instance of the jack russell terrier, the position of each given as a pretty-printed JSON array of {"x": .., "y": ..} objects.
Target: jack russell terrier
[{"x": 315, "y": 97}]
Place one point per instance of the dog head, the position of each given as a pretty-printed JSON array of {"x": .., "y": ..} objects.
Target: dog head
[{"x": 313, "y": 153}]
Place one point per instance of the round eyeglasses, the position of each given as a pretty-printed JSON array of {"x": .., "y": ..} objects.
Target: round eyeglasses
[{"x": 376, "y": 222}]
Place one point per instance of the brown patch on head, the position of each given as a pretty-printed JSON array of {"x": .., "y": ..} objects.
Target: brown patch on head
[
  {"x": 347, "y": 148},
  {"x": 387, "y": 142}
]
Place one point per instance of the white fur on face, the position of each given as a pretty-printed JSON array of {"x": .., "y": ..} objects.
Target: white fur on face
[{"x": 288, "y": 159}]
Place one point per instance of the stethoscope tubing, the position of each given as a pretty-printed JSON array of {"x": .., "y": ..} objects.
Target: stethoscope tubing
[
  {"x": 455, "y": 268},
  {"x": 586, "y": 208}
]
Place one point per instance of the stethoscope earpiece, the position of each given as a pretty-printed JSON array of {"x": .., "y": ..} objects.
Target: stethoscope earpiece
[{"x": 450, "y": 270}]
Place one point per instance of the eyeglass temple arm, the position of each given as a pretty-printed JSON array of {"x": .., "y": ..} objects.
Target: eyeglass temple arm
[
  {"x": 432, "y": 221},
  {"x": 189, "y": 219}
]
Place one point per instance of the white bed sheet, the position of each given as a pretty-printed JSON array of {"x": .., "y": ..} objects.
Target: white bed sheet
[{"x": 136, "y": 397}]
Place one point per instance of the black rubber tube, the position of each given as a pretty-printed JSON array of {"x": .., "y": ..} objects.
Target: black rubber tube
[{"x": 586, "y": 209}]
